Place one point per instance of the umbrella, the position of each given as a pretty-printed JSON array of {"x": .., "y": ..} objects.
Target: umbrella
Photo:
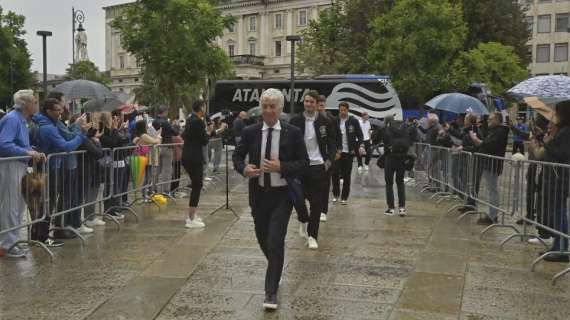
[
  {"x": 138, "y": 167},
  {"x": 540, "y": 107},
  {"x": 99, "y": 105},
  {"x": 458, "y": 103},
  {"x": 549, "y": 89},
  {"x": 254, "y": 112},
  {"x": 77, "y": 89}
]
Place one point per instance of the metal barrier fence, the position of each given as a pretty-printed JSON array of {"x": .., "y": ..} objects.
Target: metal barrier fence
[
  {"x": 533, "y": 191},
  {"x": 97, "y": 183}
]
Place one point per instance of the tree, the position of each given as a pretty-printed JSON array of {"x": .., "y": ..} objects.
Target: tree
[
  {"x": 416, "y": 43},
  {"x": 174, "y": 41},
  {"x": 495, "y": 64},
  {"x": 335, "y": 43},
  {"x": 86, "y": 70},
  {"x": 15, "y": 61},
  {"x": 499, "y": 21}
]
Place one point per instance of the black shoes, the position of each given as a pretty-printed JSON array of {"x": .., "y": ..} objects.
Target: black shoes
[
  {"x": 270, "y": 302},
  {"x": 556, "y": 257},
  {"x": 486, "y": 221}
]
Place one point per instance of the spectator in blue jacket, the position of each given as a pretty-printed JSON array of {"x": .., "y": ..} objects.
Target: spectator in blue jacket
[
  {"x": 518, "y": 140},
  {"x": 14, "y": 142}
]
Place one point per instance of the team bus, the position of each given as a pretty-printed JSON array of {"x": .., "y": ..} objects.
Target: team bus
[{"x": 364, "y": 93}]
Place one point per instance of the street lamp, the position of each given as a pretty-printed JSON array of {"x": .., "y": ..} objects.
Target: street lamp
[
  {"x": 44, "y": 35},
  {"x": 292, "y": 39},
  {"x": 12, "y": 54},
  {"x": 77, "y": 16}
]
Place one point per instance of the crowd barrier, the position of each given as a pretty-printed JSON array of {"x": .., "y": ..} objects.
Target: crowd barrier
[
  {"x": 98, "y": 183},
  {"x": 510, "y": 189}
]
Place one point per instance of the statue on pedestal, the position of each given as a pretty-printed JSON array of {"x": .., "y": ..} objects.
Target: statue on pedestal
[{"x": 81, "y": 47}]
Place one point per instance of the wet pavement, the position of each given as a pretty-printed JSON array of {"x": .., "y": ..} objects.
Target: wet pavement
[{"x": 368, "y": 266}]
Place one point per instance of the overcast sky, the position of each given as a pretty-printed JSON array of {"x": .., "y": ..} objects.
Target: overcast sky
[{"x": 55, "y": 16}]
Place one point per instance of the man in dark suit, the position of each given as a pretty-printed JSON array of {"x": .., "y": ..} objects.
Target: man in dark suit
[
  {"x": 349, "y": 144},
  {"x": 277, "y": 155},
  {"x": 195, "y": 138},
  {"x": 322, "y": 108},
  {"x": 320, "y": 141}
]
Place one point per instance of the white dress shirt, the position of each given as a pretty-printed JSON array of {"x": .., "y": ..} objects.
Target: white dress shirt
[
  {"x": 311, "y": 141},
  {"x": 365, "y": 127},
  {"x": 276, "y": 179},
  {"x": 344, "y": 136}
]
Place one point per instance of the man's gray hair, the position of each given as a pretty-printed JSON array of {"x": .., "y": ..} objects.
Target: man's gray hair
[
  {"x": 273, "y": 95},
  {"x": 23, "y": 97}
]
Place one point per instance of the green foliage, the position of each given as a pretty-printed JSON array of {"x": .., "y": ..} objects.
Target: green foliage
[
  {"x": 14, "y": 57},
  {"x": 174, "y": 41},
  {"x": 495, "y": 64},
  {"x": 416, "y": 43},
  {"x": 86, "y": 70}
]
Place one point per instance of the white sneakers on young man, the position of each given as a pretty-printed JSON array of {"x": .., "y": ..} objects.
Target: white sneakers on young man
[
  {"x": 303, "y": 230},
  {"x": 323, "y": 217},
  {"x": 359, "y": 169},
  {"x": 547, "y": 241},
  {"x": 84, "y": 229},
  {"x": 366, "y": 167},
  {"x": 194, "y": 223},
  {"x": 402, "y": 212},
  {"x": 95, "y": 222},
  {"x": 312, "y": 242},
  {"x": 389, "y": 212}
]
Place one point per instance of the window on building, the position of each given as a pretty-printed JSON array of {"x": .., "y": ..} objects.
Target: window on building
[
  {"x": 302, "y": 17},
  {"x": 278, "y": 48},
  {"x": 561, "y": 52},
  {"x": 252, "y": 23},
  {"x": 136, "y": 79},
  {"x": 122, "y": 61},
  {"x": 278, "y": 21},
  {"x": 543, "y": 53},
  {"x": 252, "y": 48},
  {"x": 232, "y": 28},
  {"x": 120, "y": 80},
  {"x": 562, "y": 22},
  {"x": 543, "y": 25},
  {"x": 231, "y": 50},
  {"x": 529, "y": 52}
]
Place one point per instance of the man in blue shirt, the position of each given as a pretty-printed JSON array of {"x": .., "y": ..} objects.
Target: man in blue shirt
[
  {"x": 15, "y": 142},
  {"x": 518, "y": 141}
]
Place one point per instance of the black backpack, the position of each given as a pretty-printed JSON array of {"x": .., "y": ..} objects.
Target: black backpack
[{"x": 400, "y": 140}]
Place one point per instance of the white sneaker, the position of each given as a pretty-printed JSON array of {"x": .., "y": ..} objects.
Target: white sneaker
[
  {"x": 303, "y": 230},
  {"x": 84, "y": 229},
  {"x": 536, "y": 241},
  {"x": 208, "y": 179},
  {"x": 194, "y": 224},
  {"x": 389, "y": 212},
  {"x": 95, "y": 222},
  {"x": 359, "y": 169},
  {"x": 366, "y": 167},
  {"x": 313, "y": 243},
  {"x": 323, "y": 217},
  {"x": 344, "y": 202},
  {"x": 197, "y": 218},
  {"x": 334, "y": 200},
  {"x": 402, "y": 212},
  {"x": 407, "y": 179}
]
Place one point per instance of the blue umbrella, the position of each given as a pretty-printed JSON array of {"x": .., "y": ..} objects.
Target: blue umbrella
[
  {"x": 458, "y": 103},
  {"x": 548, "y": 89}
]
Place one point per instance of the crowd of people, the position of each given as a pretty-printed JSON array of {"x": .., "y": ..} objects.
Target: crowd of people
[{"x": 75, "y": 180}]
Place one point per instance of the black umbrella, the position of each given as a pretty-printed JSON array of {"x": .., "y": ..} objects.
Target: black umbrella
[{"x": 78, "y": 89}]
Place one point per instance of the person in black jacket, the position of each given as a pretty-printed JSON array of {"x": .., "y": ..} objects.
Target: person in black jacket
[
  {"x": 195, "y": 139},
  {"x": 396, "y": 146},
  {"x": 493, "y": 144},
  {"x": 350, "y": 143},
  {"x": 322, "y": 108},
  {"x": 277, "y": 157},
  {"x": 320, "y": 141}
]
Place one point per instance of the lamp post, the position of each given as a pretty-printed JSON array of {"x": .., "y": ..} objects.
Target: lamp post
[
  {"x": 77, "y": 16},
  {"x": 44, "y": 35},
  {"x": 292, "y": 39}
]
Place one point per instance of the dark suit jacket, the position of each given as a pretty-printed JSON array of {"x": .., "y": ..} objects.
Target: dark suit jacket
[
  {"x": 195, "y": 138},
  {"x": 292, "y": 154},
  {"x": 353, "y": 134},
  {"x": 324, "y": 130}
]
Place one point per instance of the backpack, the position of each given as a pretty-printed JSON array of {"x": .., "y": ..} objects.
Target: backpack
[{"x": 400, "y": 140}]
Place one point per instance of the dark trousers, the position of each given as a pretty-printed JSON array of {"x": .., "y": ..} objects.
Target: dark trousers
[
  {"x": 343, "y": 169},
  {"x": 395, "y": 166},
  {"x": 327, "y": 190},
  {"x": 176, "y": 170},
  {"x": 518, "y": 146},
  {"x": 367, "y": 156},
  {"x": 196, "y": 172},
  {"x": 69, "y": 197},
  {"x": 314, "y": 182},
  {"x": 271, "y": 212},
  {"x": 477, "y": 175},
  {"x": 120, "y": 185}
]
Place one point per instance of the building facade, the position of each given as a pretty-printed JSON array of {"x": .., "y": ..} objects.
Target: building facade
[
  {"x": 548, "y": 44},
  {"x": 256, "y": 44}
]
